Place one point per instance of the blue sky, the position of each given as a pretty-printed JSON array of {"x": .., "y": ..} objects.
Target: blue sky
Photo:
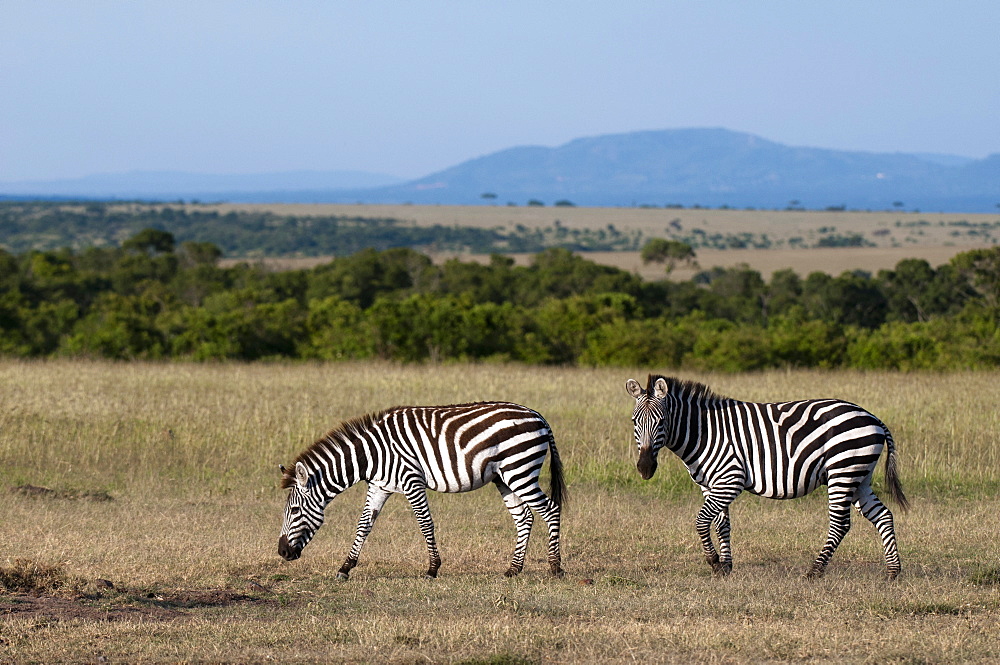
[{"x": 407, "y": 88}]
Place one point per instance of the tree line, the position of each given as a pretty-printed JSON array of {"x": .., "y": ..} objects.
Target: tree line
[
  {"x": 28, "y": 225},
  {"x": 153, "y": 298}
]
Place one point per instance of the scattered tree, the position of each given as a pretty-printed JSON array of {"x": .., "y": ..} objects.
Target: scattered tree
[{"x": 668, "y": 252}]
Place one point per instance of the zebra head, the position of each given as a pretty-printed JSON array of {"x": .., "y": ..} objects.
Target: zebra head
[
  {"x": 647, "y": 422},
  {"x": 303, "y": 512}
]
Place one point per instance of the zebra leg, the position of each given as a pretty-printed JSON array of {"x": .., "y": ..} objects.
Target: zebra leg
[
  {"x": 716, "y": 510},
  {"x": 550, "y": 512},
  {"x": 723, "y": 561},
  {"x": 522, "y": 521},
  {"x": 841, "y": 496},
  {"x": 417, "y": 496},
  {"x": 533, "y": 495},
  {"x": 374, "y": 500},
  {"x": 878, "y": 514},
  {"x": 723, "y": 529}
]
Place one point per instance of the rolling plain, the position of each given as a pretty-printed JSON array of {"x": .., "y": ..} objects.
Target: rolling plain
[{"x": 774, "y": 239}]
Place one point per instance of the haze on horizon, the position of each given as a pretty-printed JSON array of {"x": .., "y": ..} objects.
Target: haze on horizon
[{"x": 407, "y": 89}]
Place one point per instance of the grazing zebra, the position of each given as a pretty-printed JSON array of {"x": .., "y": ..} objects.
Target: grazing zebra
[
  {"x": 779, "y": 450},
  {"x": 409, "y": 450}
]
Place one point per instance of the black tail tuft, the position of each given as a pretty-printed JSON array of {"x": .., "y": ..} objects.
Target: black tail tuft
[
  {"x": 892, "y": 481},
  {"x": 557, "y": 492}
]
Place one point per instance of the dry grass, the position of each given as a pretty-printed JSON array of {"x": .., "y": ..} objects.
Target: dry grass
[
  {"x": 188, "y": 543},
  {"x": 653, "y": 221},
  {"x": 832, "y": 261}
]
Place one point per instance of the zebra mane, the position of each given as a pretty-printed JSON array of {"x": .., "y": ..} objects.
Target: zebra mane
[
  {"x": 677, "y": 386},
  {"x": 337, "y": 437},
  {"x": 345, "y": 434}
]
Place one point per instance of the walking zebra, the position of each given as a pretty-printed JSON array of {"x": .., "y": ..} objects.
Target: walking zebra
[
  {"x": 777, "y": 450},
  {"x": 409, "y": 450}
]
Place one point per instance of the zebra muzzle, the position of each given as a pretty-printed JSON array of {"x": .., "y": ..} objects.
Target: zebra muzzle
[
  {"x": 646, "y": 464},
  {"x": 287, "y": 552}
]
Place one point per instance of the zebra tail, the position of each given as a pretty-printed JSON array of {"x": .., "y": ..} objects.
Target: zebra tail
[
  {"x": 557, "y": 491},
  {"x": 893, "y": 485}
]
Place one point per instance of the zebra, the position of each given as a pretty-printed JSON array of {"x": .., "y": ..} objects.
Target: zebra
[
  {"x": 779, "y": 450},
  {"x": 410, "y": 449}
]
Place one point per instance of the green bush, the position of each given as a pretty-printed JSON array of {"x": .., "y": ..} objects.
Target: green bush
[{"x": 152, "y": 299}]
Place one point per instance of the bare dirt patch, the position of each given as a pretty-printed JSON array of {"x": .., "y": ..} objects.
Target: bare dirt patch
[
  {"x": 121, "y": 604},
  {"x": 47, "y": 492},
  {"x": 49, "y": 608},
  {"x": 38, "y": 591}
]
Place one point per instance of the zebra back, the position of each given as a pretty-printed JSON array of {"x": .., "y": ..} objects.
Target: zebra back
[{"x": 372, "y": 443}]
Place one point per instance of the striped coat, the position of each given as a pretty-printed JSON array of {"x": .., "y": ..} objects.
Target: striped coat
[
  {"x": 408, "y": 450},
  {"x": 777, "y": 450}
]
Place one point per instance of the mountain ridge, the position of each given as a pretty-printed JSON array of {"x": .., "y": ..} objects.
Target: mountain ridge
[
  {"x": 712, "y": 167},
  {"x": 166, "y": 184}
]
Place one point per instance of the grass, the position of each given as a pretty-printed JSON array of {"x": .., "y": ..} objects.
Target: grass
[
  {"x": 181, "y": 565},
  {"x": 912, "y": 228},
  {"x": 27, "y": 576},
  {"x": 830, "y": 260},
  {"x": 935, "y": 237}
]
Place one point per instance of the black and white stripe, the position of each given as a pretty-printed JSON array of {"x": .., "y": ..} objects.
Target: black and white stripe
[
  {"x": 409, "y": 450},
  {"x": 777, "y": 450}
]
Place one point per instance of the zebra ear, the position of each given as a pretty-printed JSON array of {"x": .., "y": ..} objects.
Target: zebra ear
[
  {"x": 301, "y": 475},
  {"x": 633, "y": 388},
  {"x": 281, "y": 467},
  {"x": 660, "y": 388}
]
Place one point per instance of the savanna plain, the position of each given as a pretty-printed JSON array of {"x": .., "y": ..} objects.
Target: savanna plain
[
  {"x": 791, "y": 235},
  {"x": 141, "y": 510}
]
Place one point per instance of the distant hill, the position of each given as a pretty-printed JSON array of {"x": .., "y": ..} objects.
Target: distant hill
[
  {"x": 708, "y": 167},
  {"x": 687, "y": 167},
  {"x": 173, "y": 185}
]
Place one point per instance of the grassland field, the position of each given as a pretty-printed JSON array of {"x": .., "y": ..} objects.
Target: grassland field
[
  {"x": 141, "y": 510},
  {"x": 895, "y": 235}
]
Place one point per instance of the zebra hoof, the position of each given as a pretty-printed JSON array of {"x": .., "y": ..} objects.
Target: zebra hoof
[
  {"x": 512, "y": 572},
  {"x": 890, "y": 575},
  {"x": 557, "y": 571},
  {"x": 815, "y": 572},
  {"x": 431, "y": 575},
  {"x": 722, "y": 569},
  {"x": 342, "y": 577}
]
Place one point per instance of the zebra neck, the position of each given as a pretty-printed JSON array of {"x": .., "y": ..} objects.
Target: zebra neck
[
  {"x": 698, "y": 423},
  {"x": 338, "y": 464}
]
